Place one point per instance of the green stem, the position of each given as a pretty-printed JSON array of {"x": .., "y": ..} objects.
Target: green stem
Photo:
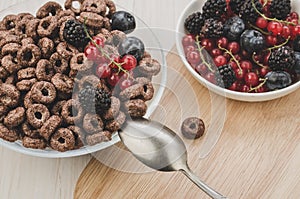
[
  {"x": 259, "y": 86},
  {"x": 260, "y": 30},
  {"x": 201, "y": 55},
  {"x": 280, "y": 45},
  {"x": 257, "y": 62},
  {"x": 232, "y": 57}
]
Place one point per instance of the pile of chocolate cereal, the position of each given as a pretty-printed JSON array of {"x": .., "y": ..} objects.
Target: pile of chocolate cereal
[{"x": 41, "y": 76}]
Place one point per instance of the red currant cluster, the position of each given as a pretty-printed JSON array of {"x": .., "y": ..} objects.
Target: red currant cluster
[{"x": 116, "y": 70}]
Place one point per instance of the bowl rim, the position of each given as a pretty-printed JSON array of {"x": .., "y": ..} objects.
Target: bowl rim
[
  {"x": 240, "y": 96},
  {"x": 48, "y": 153}
]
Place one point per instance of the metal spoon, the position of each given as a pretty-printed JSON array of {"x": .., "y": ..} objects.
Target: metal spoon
[{"x": 160, "y": 148}]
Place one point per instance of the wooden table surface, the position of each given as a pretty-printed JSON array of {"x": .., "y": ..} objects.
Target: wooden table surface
[{"x": 250, "y": 150}]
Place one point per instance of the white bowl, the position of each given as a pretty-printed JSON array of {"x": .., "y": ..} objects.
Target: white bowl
[
  {"x": 152, "y": 45},
  {"x": 197, "y": 5}
]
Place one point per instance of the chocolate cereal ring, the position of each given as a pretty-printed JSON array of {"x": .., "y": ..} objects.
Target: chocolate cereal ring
[
  {"x": 59, "y": 64},
  {"x": 12, "y": 79},
  {"x": 11, "y": 49},
  {"x": 27, "y": 41},
  {"x": 48, "y": 26},
  {"x": 193, "y": 128},
  {"x": 72, "y": 112},
  {"x": 114, "y": 109},
  {"x": 3, "y": 73},
  {"x": 63, "y": 140},
  {"x": 7, "y": 134},
  {"x": 9, "y": 95},
  {"x": 29, "y": 55},
  {"x": 117, "y": 37},
  {"x": 111, "y": 8},
  {"x": 34, "y": 143},
  {"x": 26, "y": 73},
  {"x": 31, "y": 28},
  {"x": 92, "y": 123},
  {"x": 94, "y": 6},
  {"x": 37, "y": 115},
  {"x": 148, "y": 89},
  {"x": 50, "y": 126},
  {"x": 44, "y": 70},
  {"x": 103, "y": 136},
  {"x": 49, "y": 9},
  {"x": 89, "y": 80},
  {"x": 63, "y": 83},
  {"x": 29, "y": 131},
  {"x": 132, "y": 92},
  {"x": 136, "y": 108},
  {"x": 57, "y": 107},
  {"x": 15, "y": 117},
  {"x": 149, "y": 66},
  {"x": 79, "y": 135},
  {"x": 91, "y": 19},
  {"x": 26, "y": 84},
  {"x": 66, "y": 13},
  {"x": 24, "y": 15},
  {"x": 47, "y": 47},
  {"x": 117, "y": 123},
  {"x": 10, "y": 64},
  {"x": 43, "y": 92},
  {"x": 66, "y": 51},
  {"x": 69, "y": 5},
  {"x": 10, "y": 38},
  {"x": 9, "y": 21},
  {"x": 28, "y": 100},
  {"x": 79, "y": 62}
]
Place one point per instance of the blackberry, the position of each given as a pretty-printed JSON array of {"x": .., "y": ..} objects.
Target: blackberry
[
  {"x": 74, "y": 33},
  {"x": 282, "y": 58},
  {"x": 212, "y": 28},
  {"x": 225, "y": 76},
  {"x": 236, "y": 5},
  {"x": 280, "y": 9},
  {"x": 92, "y": 99},
  {"x": 214, "y": 9},
  {"x": 296, "y": 44},
  {"x": 194, "y": 23},
  {"x": 233, "y": 28},
  {"x": 248, "y": 12}
]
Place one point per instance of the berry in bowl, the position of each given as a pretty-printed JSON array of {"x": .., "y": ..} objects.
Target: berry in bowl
[{"x": 244, "y": 50}]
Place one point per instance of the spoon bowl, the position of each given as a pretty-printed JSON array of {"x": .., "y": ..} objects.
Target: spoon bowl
[{"x": 160, "y": 148}]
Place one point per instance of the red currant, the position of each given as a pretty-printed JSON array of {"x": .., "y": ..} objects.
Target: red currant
[
  {"x": 245, "y": 89},
  {"x": 211, "y": 77},
  {"x": 271, "y": 40},
  {"x": 263, "y": 71},
  {"x": 113, "y": 79},
  {"x": 208, "y": 44},
  {"x": 233, "y": 65},
  {"x": 246, "y": 65},
  {"x": 128, "y": 62},
  {"x": 236, "y": 86},
  {"x": 234, "y": 47},
  {"x": 188, "y": 40},
  {"x": 275, "y": 27},
  {"x": 251, "y": 79},
  {"x": 223, "y": 42},
  {"x": 295, "y": 31},
  {"x": 240, "y": 73},
  {"x": 286, "y": 32},
  {"x": 91, "y": 52},
  {"x": 125, "y": 84},
  {"x": 294, "y": 15},
  {"x": 220, "y": 60},
  {"x": 103, "y": 70},
  {"x": 201, "y": 69},
  {"x": 98, "y": 40},
  {"x": 216, "y": 52},
  {"x": 193, "y": 57},
  {"x": 117, "y": 60},
  {"x": 189, "y": 49},
  {"x": 261, "y": 22}
]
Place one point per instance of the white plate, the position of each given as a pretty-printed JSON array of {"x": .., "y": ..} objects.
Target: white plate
[
  {"x": 197, "y": 5},
  {"x": 152, "y": 45}
]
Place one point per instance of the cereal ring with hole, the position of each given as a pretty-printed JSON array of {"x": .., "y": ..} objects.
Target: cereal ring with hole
[
  {"x": 3, "y": 73},
  {"x": 50, "y": 126},
  {"x": 12, "y": 79},
  {"x": 63, "y": 140},
  {"x": 10, "y": 39},
  {"x": 57, "y": 107},
  {"x": 5, "y": 33},
  {"x": 47, "y": 47},
  {"x": 72, "y": 112},
  {"x": 26, "y": 73},
  {"x": 92, "y": 123},
  {"x": 148, "y": 89},
  {"x": 31, "y": 28},
  {"x": 60, "y": 64},
  {"x": 28, "y": 100},
  {"x": 89, "y": 80},
  {"x": 34, "y": 143},
  {"x": 29, "y": 131},
  {"x": 106, "y": 23},
  {"x": 94, "y": 6},
  {"x": 11, "y": 49},
  {"x": 132, "y": 92},
  {"x": 26, "y": 84},
  {"x": 79, "y": 136},
  {"x": 49, "y": 9},
  {"x": 66, "y": 51},
  {"x": 70, "y": 4},
  {"x": 48, "y": 26},
  {"x": 7, "y": 134},
  {"x": 63, "y": 83},
  {"x": 149, "y": 66},
  {"x": 15, "y": 117},
  {"x": 111, "y": 8},
  {"x": 37, "y": 115},
  {"x": 114, "y": 109},
  {"x": 79, "y": 62},
  {"x": 91, "y": 19},
  {"x": 3, "y": 111},
  {"x": 103, "y": 136},
  {"x": 10, "y": 64},
  {"x": 43, "y": 92},
  {"x": 117, "y": 123},
  {"x": 136, "y": 108},
  {"x": 21, "y": 25},
  {"x": 9, "y": 95},
  {"x": 24, "y": 15},
  {"x": 26, "y": 41},
  {"x": 29, "y": 55},
  {"x": 192, "y": 128},
  {"x": 44, "y": 70},
  {"x": 66, "y": 13},
  {"x": 10, "y": 21}
]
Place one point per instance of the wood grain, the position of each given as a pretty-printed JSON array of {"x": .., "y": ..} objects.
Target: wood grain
[{"x": 257, "y": 155}]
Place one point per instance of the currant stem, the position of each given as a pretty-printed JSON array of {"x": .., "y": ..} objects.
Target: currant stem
[
  {"x": 280, "y": 45},
  {"x": 257, "y": 62},
  {"x": 232, "y": 57},
  {"x": 201, "y": 55},
  {"x": 264, "y": 80},
  {"x": 260, "y": 30},
  {"x": 270, "y": 19},
  {"x": 119, "y": 65}
]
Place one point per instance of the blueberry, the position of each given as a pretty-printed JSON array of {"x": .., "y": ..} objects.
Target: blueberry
[
  {"x": 252, "y": 41},
  {"x": 278, "y": 80},
  {"x": 123, "y": 21},
  {"x": 132, "y": 46},
  {"x": 233, "y": 28},
  {"x": 297, "y": 64}
]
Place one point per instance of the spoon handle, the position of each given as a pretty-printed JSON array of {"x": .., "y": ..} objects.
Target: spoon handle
[{"x": 204, "y": 187}]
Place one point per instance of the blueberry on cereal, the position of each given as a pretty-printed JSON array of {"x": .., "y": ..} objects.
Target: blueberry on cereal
[
  {"x": 63, "y": 140},
  {"x": 193, "y": 128}
]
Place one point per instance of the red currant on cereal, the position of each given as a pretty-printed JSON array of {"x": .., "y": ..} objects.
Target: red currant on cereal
[
  {"x": 240, "y": 73},
  {"x": 201, "y": 69},
  {"x": 211, "y": 77},
  {"x": 103, "y": 70},
  {"x": 189, "y": 49},
  {"x": 216, "y": 52},
  {"x": 246, "y": 65},
  {"x": 91, "y": 52},
  {"x": 98, "y": 40},
  {"x": 128, "y": 62},
  {"x": 271, "y": 40},
  {"x": 245, "y": 88},
  {"x": 116, "y": 60}
]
